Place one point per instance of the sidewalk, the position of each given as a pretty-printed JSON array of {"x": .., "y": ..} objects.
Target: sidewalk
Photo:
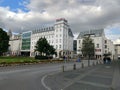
[{"x": 99, "y": 77}]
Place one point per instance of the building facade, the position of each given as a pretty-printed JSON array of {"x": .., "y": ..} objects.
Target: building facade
[
  {"x": 75, "y": 46},
  {"x": 15, "y": 45},
  {"x": 102, "y": 45},
  {"x": 25, "y": 43},
  {"x": 117, "y": 51},
  {"x": 109, "y": 48},
  {"x": 59, "y": 36}
]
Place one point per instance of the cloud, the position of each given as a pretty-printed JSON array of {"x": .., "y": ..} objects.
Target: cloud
[
  {"x": 113, "y": 32},
  {"x": 117, "y": 41},
  {"x": 81, "y": 14}
]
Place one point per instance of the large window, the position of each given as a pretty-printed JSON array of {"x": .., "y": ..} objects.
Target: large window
[
  {"x": 60, "y": 40},
  {"x": 79, "y": 41},
  {"x": 105, "y": 46},
  {"x": 98, "y": 46},
  {"x": 26, "y": 41},
  {"x": 105, "y": 41},
  {"x": 59, "y": 46},
  {"x": 56, "y": 46},
  {"x": 56, "y": 40}
]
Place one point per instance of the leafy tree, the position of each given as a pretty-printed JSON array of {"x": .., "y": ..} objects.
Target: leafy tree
[
  {"x": 43, "y": 47},
  {"x": 4, "y": 42},
  {"x": 88, "y": 48},
  {"x": 50, "y": 50}
]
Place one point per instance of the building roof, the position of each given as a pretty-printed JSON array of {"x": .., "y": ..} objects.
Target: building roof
[
  {"x": 96, "y": 32},
  {"x": 117, "y": 44},
  {"x": 70, "y": 32},
  {"x": 43, "y": 30}
]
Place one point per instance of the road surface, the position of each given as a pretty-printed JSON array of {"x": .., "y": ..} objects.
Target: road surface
[{"x": 30, "y": 77}]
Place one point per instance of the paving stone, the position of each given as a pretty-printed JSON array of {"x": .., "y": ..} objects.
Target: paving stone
[
  {"x": 72, "y": 76},
  {"x": 81, "y": 86},
  {"x": 100, "y": 80},
  {"x": 103, "y": 73}
]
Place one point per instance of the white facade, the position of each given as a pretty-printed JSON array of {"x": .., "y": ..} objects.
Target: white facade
[
  {"x": 102, "y": 45},
  {"x": 37, "y": 34},
  {"x": 59, "y": 35},
  {"x": 109, "y": 48},
  {"x": 15, "y": 45},
  {"x": 117, "y": 51}
]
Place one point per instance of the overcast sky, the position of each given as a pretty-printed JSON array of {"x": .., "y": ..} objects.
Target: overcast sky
[{"x": 24, "y": 15}]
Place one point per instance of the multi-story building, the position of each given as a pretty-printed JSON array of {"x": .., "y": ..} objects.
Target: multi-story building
[
  {"x": 99, "y": 40},
  {"x": 15, "y": 44},
  {"x": 109, "y": 48},
  {"x": 75, "y": 46},
  {"x": 26, "y": 43},
  {"x": 117, "y": 51},
  {"x": 59, "y": 35}
]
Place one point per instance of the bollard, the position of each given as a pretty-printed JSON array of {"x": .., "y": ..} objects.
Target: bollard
[
  {"x": 82, "y": 65},
  {"x": 111, "y": 88},
  {"x": 93, "y": 64},
  {"x": 100, "y": 62},
  {"x": 74, "y": 67},
  {"x": 97, "y": 63},
  {"x": 63, "y": 68}
]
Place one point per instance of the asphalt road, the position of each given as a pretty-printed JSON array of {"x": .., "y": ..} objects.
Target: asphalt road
[{"x": 30, "y": 77}]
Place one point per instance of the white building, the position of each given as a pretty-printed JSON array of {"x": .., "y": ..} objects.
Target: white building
[
  {"x": 117, "y": 51},
  {"x": 109, "y": 48},
  {"x": 101, "y": 43},
  {"x": 59, "y": 35},
  {"x": 15, "y": 45},
  {"x": 25, "y": 43}
]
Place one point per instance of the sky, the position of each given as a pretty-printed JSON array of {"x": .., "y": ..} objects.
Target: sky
[{"x": 25, "y": 15}]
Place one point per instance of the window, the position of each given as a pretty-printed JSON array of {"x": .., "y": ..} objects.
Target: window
[
  {"x": 60, "y": 35},
  {"x": 97, "y": 45},
  {"x": 56, "y": 41},
  {"x": 59, "y": 46},
  {"x": 105, "y": 41},
  {"x": 105, "y": 46},
  {"x": 79, "y": 41},
  {"x": 56, "y": 46},
  {"x": 60, "y": 40},
  {"x": 105, "y": 51}
]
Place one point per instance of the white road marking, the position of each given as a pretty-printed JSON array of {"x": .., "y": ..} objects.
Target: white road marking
[{"x": 43, "y": 83}]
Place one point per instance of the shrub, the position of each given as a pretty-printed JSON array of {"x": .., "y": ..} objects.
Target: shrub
[
  {"x": 41, "y": 57},
  {"x": 2, "y": 62}
]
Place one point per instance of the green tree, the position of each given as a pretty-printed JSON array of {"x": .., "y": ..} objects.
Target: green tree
[
  {"x": 43, "y": 47},
  {"x": 51, "y": 50},
  {"x": 4, "y": 42},
  {"x": 88, "y": 48}
]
